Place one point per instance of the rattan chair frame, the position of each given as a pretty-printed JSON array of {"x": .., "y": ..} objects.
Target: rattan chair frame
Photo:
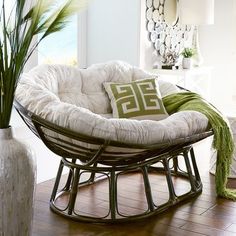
[{"x": 85, "y": 154}]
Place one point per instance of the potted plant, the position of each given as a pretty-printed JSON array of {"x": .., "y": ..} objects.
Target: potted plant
[
  {"x": 18, "y": 28},
  {"x": 187, "y": 54}
]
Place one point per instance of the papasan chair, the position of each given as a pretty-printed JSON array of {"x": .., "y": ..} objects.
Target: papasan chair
[{"x": 70, "y": 111}]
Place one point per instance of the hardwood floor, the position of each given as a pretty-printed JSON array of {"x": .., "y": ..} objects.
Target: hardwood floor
[{"x": 204, "y": 215}]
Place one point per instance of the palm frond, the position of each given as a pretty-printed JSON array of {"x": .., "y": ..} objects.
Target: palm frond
[
  {"x": 58, "y": 19},
  {"x": 16, "y": 47},
  {"x": 42, "y": 6}
]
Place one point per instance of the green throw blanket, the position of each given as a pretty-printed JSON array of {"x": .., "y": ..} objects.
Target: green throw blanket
[{"x": 223, "y": 140}]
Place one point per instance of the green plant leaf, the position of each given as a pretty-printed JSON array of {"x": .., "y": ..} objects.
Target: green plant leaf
[
  {"x": 188, "y": 52},
  {"x": 16, "y": 36}
]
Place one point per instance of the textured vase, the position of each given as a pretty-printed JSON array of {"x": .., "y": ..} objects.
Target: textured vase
[
  {"x": 17, "y": 181},
  {"x": 187, "y": 63}
]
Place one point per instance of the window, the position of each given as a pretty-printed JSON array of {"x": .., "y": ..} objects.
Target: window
[{"x": 60, "y": 47}]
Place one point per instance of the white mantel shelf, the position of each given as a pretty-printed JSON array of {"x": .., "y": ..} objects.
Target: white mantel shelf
[
  {"x": 184, "y": 72},
  {"x": 196, "y": 79}
]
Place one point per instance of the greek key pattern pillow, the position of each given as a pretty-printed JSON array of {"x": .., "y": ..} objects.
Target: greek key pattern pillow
[{"x": 138, "y": 100}]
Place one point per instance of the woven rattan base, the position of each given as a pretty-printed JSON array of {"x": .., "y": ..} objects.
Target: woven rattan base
[{"x": 170, "y": 167}]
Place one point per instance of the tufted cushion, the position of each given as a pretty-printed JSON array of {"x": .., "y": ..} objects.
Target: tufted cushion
[{"x": 75, "y": 98}]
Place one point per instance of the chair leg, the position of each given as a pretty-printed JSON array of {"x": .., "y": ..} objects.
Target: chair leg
[
  {"x": 113, "y": 195},
  {"x": 147, "y": 186},
  {"x": 92, "y": 175},
  {"x": 196, "y": 172},
  {"x": 175, "y": 164},
  {"x": 189, "y": 171},
  {"x": 172, "y": 194},
  {"x": 57, "y": 181},
  {"x": 69, "y": 179},
  {"x": 74, "y": 190}
]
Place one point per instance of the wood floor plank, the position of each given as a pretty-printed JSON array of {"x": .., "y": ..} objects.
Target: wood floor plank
[
  {"x": 192, "y": 209},
  {"x": 205, "y": 230},
  {"x": 225, "y": 202},
  {"x": 203, "y": 215},
  {"x": 199, "y": 219},
  {"x": 214, "y": 215}
]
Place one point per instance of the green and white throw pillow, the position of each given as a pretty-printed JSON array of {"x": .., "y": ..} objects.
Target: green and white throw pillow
[{"x": 139, "y": 100}]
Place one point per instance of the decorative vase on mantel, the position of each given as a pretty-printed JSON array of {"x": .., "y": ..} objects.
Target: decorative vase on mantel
[
  {"x": 187, "y": 54},
  {"x": 187, "y": 63},
  {"x": 17, "y": 181}
]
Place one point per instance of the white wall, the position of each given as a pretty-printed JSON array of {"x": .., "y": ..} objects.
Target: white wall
[
  {"x": 33, "y": 61},
  {"x": 146, "y": 48},
  {"x": 113, "y": 31},
  {"x": 218, "y": 47}
]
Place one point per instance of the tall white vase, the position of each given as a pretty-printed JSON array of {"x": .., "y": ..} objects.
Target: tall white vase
[{"x": 17, "y": 181}]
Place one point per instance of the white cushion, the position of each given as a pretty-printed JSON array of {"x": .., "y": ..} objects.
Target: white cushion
[{"x": 75, "y": 98}]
